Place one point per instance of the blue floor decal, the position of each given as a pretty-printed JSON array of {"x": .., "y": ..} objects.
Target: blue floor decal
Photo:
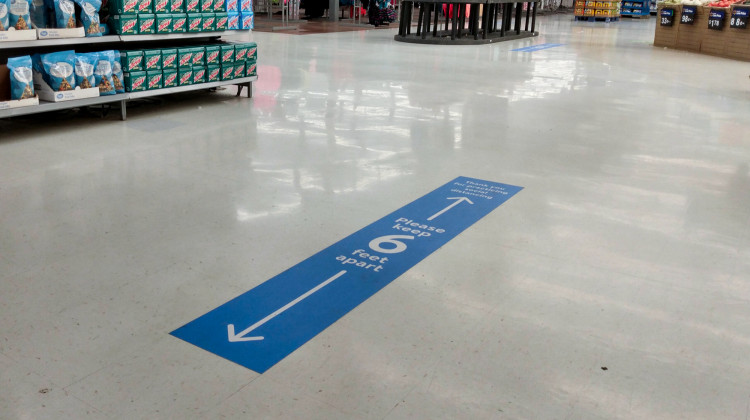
[
  {"x": 262, "y": 326},
  {"x": 537, "y": 47}
]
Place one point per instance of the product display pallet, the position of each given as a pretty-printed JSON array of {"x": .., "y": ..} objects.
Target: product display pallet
[
  {"x": 123, "y": 98},
  {"x": 634, "y": 16},
  {"x": 597, "y": 19}
]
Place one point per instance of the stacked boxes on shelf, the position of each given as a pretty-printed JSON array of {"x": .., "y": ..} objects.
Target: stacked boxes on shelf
[
  {"x": 636, "y": 8},
  {"x": 142, "y": 17},
  {"x": 591, "y": 8},
  {"x": 170, "y": 67}
]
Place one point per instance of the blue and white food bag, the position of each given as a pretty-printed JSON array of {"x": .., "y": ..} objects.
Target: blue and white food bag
[
  {"x": 59, "y": 70},
  {"x": 21, "y": 78},
  {"x": 84, "y": 70},
  {"x": 103, "y": 74}
]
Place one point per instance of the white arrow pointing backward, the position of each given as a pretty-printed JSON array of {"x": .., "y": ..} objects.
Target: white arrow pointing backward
[
  {"x": 241, "y": 336},
  {"x": 458, "y": 200}
]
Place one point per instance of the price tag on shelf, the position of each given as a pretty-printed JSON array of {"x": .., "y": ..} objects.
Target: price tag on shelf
[
  {"x": 739, "y": 18},
  {"x": 688, "y": 15},
  {"x": 716, "y": 19},
  {"x": 666, "y": 17}
]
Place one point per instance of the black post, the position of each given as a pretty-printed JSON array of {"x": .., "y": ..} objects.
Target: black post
[
  {"x": 447, "y": 18},
  {"x": 427, "y": 8},
  {"x": 460, "y": 13},
  {"x": 508, "y": 16},
  {"x": 486, "y": 20},
  {"x": 533, "y": 18},
  {"x": 528, "y": 12},
  {"x": 519, "y": 11},
  {"x": 419, "y": 21},
  {"x": 452, "y": 10},
  {"x": 437, "y": 17},
  {"x": 502, "y": 19}
]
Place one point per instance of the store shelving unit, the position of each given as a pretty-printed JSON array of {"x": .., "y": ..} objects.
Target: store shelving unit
[
  {"x": 636, "y": 8},
  {"x": 9, "y": 48}
]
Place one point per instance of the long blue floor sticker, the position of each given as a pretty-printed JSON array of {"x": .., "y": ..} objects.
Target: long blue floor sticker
[
  {"x": 537, "y": 47},
  {"x": 262, "y": 326}
]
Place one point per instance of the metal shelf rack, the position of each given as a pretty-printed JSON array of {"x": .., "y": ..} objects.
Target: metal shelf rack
[{"x": 122, "y": 98}]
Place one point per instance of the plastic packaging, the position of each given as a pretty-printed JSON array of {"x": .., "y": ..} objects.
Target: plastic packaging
[
  {"x": 19, "y": 14},
  {"x": 21, "y": 80},
  {"x": 84, "y": 70},
  {"x": 59, "y": 70},
  {"x": 90, "y": 16},
  {"x": 103, "y": 73},
  {"x": 65, "y": 14}
]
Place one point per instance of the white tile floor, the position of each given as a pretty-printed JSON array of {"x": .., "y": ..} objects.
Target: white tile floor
[{"x": 628, "y": 248}]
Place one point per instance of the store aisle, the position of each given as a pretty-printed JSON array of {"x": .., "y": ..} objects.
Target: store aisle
[{"x": 615, "y": 285}]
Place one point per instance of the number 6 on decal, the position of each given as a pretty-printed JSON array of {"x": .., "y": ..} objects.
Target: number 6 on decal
[{"x": 389, "y": 239}]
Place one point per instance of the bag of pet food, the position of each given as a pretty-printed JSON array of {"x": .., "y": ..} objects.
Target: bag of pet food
[
  {"x": 103, "y": 74},
  {"x": 90, "y": 16},
  {"x": 39, "y": 13},
  {"x": 117, "y": 75},
  {"x": 84, "y": 70},
  {"x": 65, "y": 14},
  {"x": 21, "y": 80},
  {"x": 20, "y": 14},
  {"x": 58, "y": 67},
  {"x": 4, "y": 18}
]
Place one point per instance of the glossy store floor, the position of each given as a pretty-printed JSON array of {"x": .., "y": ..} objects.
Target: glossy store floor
[{"x": 615, "y": 285}]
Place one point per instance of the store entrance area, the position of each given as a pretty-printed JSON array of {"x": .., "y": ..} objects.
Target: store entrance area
[{"x": 614, "y": 285}]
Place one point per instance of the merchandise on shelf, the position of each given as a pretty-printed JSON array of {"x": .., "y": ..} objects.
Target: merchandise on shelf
[
  {"x": 154, "y": 79},
  {"x": 152, "y": 59},
  {"x": 117, "y": 75},
  {"x": 184, "y": 57},
  {"x": 213, "y": 73},
  {"x": 233, "y": 21},
  {"x": 146, "y": 23},
  {"x": 194, "y": 22},
  {"x": 169, "y": 58},
  {"x": 169, "y": 78},
  {"x": 247, "y": 20},
  {"x": 221, "y": 21},
  {"x": 90, "y": 16},
  {"x": 209, "y": 22},
  {"x": 21, "y": 78},
  {"x": 84, "y": 70},
  {"x": 177, "y": 6},
  {"x": 124, "y": 24},
  {"x": 184, "y": 76},
  {"x": 604, "y": 8},
  {"x": 19, "y": 14},
  {"x": 56, "y": 69},
  {"x": 163, "y": 23},
  {"x": 131, "y": 60},
  {"x": 179, "y": 22},
  {"x": 161, "y": 7},
  {"x": 103, "y": 72},
  {"x": 199, "y": 74},
  {"x": 135, "y": 81}
]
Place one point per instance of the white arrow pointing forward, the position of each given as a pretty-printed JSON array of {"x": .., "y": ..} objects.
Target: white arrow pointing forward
[
  {"x": 458, "y": 201},
  {"x": 241, "y": 336}
]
